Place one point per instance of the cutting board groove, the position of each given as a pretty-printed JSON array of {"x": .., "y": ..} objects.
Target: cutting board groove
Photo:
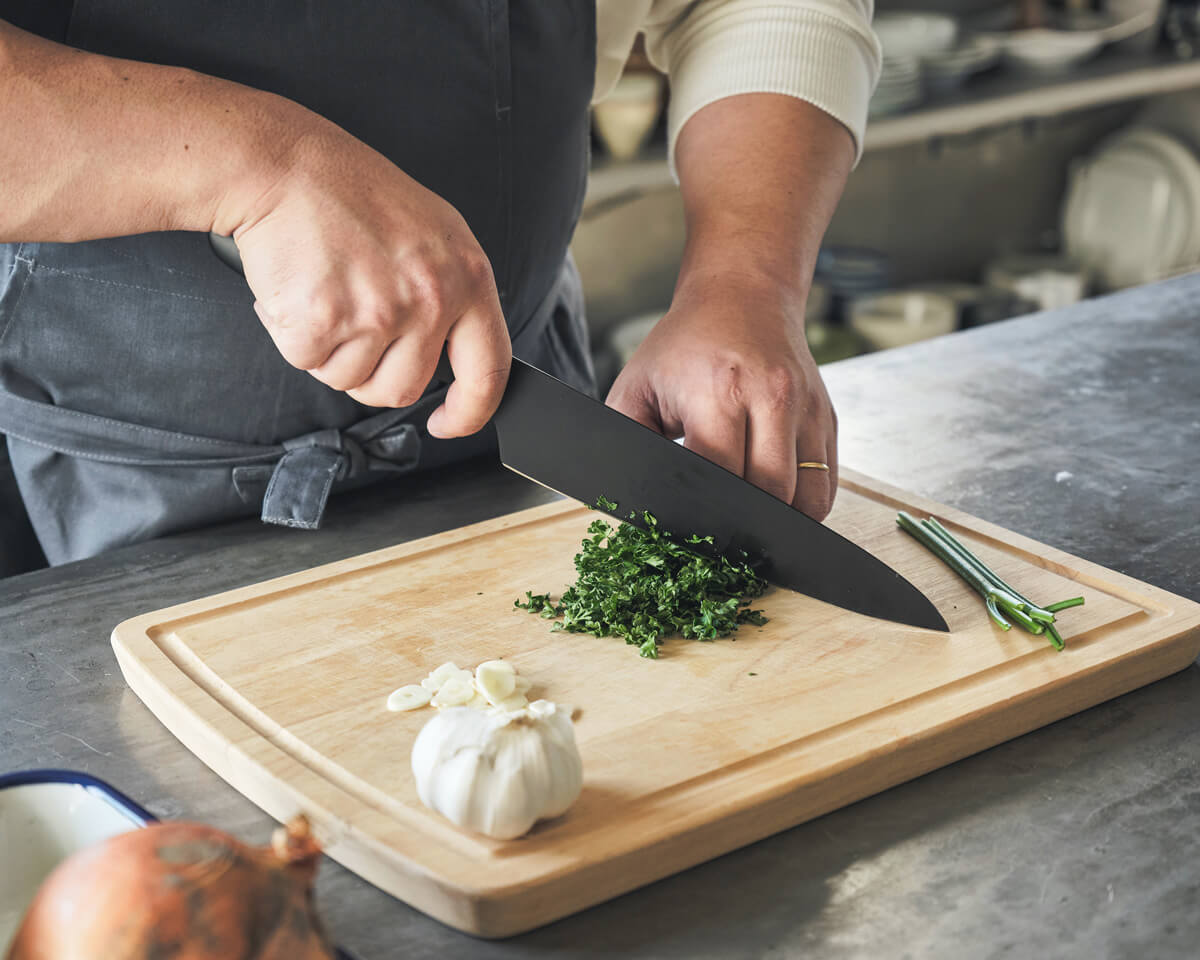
[{"x": 280, "y": 688}]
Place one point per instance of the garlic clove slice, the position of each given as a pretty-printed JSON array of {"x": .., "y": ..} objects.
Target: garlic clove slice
[
  {"x": 453, "y": 693},
  {"x": 408, "y": 697},
  {"x": 440, "y": 675},
  {"x": 522, "y": 685},
  {"x": 478, "y": 702},
  {"x": 516, "y": 701},
  {"x": 495, "y": 679}
]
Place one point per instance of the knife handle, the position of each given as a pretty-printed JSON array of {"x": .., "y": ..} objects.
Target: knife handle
[{"x": 227, "y": 251}]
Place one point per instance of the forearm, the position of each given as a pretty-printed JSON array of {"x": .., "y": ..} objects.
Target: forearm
[
  {"x": 95, "y": 146},
  {"x": 761, "y": 175}
]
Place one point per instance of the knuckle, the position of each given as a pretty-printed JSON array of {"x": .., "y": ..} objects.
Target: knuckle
[
  {"x": 339, "y": 380},
  {"x": 321, "y": 316},
  {"x": 400, "y": 397},
  {"x": 392, "y": 397},
  {"x": 730, "y": 383},
  {"x": 781, "y": 387},
  {"x": 425, "y": 288},
  {"x": 478, "y": 270},
  {"x": 300, "y": 352},
  {"x": 380, "y": 321}
]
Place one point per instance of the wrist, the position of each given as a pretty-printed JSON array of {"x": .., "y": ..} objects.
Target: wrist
[
  {"x": 744, "y": 265},
  {"x": 263, "y": 143}
]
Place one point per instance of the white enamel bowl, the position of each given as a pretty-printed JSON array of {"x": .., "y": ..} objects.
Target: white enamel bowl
[
  {"x": 45, "y": 816},
  {"x": 903, "y": 317}
]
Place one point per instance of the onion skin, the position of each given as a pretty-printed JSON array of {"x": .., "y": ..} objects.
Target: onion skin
[{"x": 179, "y": 891}]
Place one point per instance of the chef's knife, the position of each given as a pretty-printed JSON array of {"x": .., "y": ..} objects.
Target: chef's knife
[{"x": 577, "y": 446}]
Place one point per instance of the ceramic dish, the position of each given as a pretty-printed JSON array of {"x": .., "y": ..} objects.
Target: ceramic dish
[
  {"x": 915, "y": 34},
  {"x": 47, "y": 815},
  {"x": 1132, "y": 212},
  {"x": 1048, "y": 280},
  {"x": 979, "y": 305},
  {"x": 952, "y": 68},
  {"x": 899, "y": 86},
  {"x": 1050, "y": 51},
  {"x": 903, "y": 317},
  {"x": 624, "y": 119}
]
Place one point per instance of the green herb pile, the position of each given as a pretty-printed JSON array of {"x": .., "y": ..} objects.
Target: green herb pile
[
  {"x": 1002, "y": 601},
  {"x": 642, "y": 586}
]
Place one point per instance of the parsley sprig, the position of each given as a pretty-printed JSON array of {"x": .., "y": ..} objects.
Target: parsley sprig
[{"x": 638, "y": 584}]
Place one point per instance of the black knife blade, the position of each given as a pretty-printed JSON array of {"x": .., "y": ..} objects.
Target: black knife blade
[{"x": 556, "y": 436}]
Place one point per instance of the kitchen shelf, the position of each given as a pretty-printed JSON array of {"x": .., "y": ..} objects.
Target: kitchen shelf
[
  {"x": 1006, "y": 96},
  {"x": 1003, "y": 96}
]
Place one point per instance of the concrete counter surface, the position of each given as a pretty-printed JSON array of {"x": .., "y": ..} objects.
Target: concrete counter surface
[{"x": 1080, "y": 428}]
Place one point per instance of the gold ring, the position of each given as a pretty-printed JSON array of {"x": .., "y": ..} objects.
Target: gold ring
[{"x": 812, "y": 465}]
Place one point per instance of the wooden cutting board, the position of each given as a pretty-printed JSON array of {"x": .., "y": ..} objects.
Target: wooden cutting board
[{"x": 280, "y": 688}]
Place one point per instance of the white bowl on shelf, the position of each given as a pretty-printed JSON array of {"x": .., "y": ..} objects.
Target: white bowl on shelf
[
  {"x": 915, "y": 34},
  {"x": 1051, "y": 51},
  {"x": 625, "y": 118},
  {"x": 902, "y": 317}
]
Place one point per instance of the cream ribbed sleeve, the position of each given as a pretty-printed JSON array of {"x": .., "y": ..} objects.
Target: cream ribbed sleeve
[{"x": 821, "y": 51}]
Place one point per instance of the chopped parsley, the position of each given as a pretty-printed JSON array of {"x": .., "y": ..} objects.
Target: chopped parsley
[{"x": 638, "y": 584}]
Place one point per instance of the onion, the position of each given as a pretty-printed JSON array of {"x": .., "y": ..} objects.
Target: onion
[{"x": 183, "y": 891}]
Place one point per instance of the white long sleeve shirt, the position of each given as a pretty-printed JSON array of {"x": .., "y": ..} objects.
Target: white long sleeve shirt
[{"x": 821, "y": 51}]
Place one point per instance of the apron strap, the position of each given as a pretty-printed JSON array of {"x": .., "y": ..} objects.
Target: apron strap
[
  {"x": 93, "y": 437},
  {"x": 297, "y": 474},
  {"x": 300, "y": 483}
]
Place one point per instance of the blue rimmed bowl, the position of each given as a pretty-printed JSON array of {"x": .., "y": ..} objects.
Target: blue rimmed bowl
[{"x": 47, "y": 815}]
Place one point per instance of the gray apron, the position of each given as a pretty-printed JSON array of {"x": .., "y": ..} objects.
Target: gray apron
[{"x": 138, "y": 391}]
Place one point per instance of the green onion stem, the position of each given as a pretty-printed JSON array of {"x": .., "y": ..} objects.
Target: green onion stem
[
  {"x": 1064, "y": 604},
  {"x": 995, "y": 577},
  {"x": 909, "y": 525},
  {"x": 1025, "y": 620},
  {"x": 1005, "y": 595},
  {"x": 1026, "y": 613},
  {"x": 1040, "y": 614},
  {"x": 994, "y": 613},
  {"x": 997, "y": 594}
]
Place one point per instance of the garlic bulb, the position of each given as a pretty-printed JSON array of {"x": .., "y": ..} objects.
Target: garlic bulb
[{"x": 499, "y": 772}]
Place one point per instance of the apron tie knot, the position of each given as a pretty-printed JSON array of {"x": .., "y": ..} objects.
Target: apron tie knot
[{"x": 301, "y": 480}]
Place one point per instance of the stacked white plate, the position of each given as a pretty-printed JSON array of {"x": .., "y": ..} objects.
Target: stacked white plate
[
  {"x": 899, "y": 86},
  {"x": 950, "y": 68},
  {"x": 1132, "y": 212},
  {"x": 906, "y": 39}
]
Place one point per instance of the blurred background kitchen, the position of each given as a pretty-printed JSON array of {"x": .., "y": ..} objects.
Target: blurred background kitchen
[{"x": 1018, "y": 157}]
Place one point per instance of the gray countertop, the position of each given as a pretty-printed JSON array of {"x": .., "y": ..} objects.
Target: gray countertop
[{"x": 1080, "y": 428}]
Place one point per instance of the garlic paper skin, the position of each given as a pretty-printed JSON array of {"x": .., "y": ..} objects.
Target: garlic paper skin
[{"x": 498, "y": 773}]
